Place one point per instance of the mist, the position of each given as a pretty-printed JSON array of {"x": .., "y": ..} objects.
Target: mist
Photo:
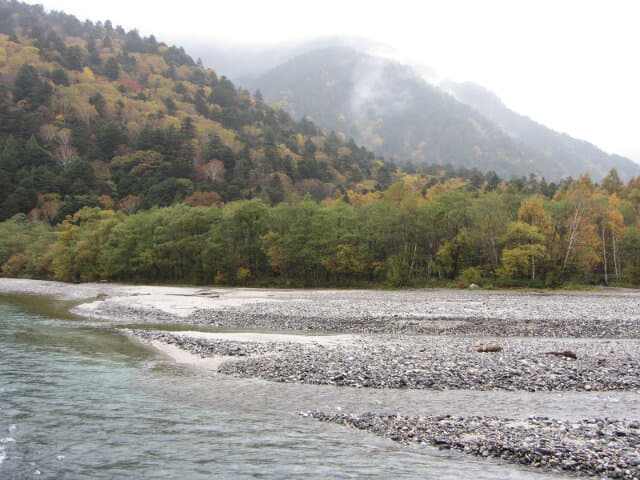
[
  {"x": 407, "y": 112},
  {"x": 576, "y": 78},
  {"x": 239, "y": 61}
]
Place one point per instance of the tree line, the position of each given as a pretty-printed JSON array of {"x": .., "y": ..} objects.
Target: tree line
[{"x": 447, "y": 234}]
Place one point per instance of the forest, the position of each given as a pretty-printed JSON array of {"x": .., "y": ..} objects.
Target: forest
[
  {"x": 123, "y": 159},
  {"x": 91, "y": 115},
  {"x": 448, "y": 234}
]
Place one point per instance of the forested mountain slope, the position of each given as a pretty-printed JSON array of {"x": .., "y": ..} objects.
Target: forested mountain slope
[
  {"x": 91, "y": 115},
  {"x": 390, "y": 109},
  {"x": 576, "y": 156}
]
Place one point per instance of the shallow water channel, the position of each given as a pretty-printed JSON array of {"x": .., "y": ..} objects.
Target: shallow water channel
[{"x": 80, "y": 400}]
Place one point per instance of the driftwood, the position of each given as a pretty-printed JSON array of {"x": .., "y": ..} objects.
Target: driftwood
[
  {"x": 566, "y": 353},
  {"x": 488, "y": 348}
]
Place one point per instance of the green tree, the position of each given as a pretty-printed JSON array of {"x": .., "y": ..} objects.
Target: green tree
[
  {"x": 99, "y": 103},
  {"x": 30, "y": 87},
  {"x": 630, "y": 255},
  {"x": 524, "y": 249},
  {"x": 612, "y": 183},
  {"x": 74, "y": 57},
  {"x": 236, "y": 243},
  {"x": 111, "y": 69}
]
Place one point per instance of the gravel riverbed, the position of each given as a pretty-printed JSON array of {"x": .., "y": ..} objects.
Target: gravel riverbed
[
  {"x": 399, "y": 323},
  {"x": 416, "y": 339},
  {"x": 601, "y": 314},
  {"x": 403, "y": 340},
  {"x": 599, "y": 447},
  {"x": 428, "y": 362}
]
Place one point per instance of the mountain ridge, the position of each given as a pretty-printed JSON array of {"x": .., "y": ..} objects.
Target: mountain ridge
[
  {"x": 454, "y": 131},
  {"x": 556, "y": 145},
  {"x": 364, "y": 97}
]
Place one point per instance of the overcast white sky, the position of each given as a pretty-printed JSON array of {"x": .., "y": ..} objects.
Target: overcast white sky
[{"x": 571, "y": 65}]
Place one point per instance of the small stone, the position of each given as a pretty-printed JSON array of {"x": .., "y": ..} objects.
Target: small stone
[{"x": 489, "y": 348}]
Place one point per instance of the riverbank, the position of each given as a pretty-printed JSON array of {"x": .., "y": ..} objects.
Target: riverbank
[
  {"x": 594, "y": 447},
  {"x": 605, "y": 313},
  {"x": 420, "y": 362},
  {"x": 423, "y": 340}
]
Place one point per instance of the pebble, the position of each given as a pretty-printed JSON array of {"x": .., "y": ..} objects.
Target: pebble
[
  {"x": 427, "y": 362},
  {"x": 595, "y": 447},
  {"x": 609, "y": 314}
]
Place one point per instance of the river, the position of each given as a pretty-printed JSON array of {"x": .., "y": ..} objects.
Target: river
[{"x": 80, "y": 400}]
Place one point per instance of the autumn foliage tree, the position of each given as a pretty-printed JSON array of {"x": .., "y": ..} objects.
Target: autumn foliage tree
[{"x": 123, "y": 159}]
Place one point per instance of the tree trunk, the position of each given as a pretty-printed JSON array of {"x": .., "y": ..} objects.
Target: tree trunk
[
  {"x": 495, "y": 254},
  {"x": 533, "y": 267},
  {"x": 575, "y": 225},
  {"x": 604, "y": 254},
  {"x": 413, "y": 260},
  {"x": 615, "y": 254}
]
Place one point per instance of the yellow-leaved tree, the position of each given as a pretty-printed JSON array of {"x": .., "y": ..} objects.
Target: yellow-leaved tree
[{"x": 524, "y": 248}]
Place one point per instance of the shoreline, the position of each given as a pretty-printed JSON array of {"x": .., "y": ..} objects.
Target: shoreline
[
  {"x": 381, "y": 339},
  {"x": 402, "y": 340},
  {"x": 592, "y": 447},
  {"x": 176, "y": 354},
  {"x": 171, "y": 344},
  {"x": 417, "y": 362}
]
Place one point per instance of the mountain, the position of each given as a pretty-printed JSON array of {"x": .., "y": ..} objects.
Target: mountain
[
  {"x": 246, "y": 61},
  {"x": 91, "y": 115},
  {"x": 391, "y": 110},
  {"x": 574, "y": 155}
]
